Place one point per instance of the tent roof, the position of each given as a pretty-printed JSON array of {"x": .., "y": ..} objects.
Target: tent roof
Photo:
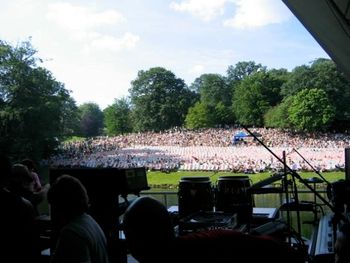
[
  {"x": 328, "y": 21},
  {"x": 241, "y": 134}
]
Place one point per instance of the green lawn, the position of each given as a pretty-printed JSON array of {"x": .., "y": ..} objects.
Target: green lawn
[{"x": 171, "y": 180}]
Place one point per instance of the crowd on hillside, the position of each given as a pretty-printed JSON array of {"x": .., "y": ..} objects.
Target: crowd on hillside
[{"x": 207, "y": 149}]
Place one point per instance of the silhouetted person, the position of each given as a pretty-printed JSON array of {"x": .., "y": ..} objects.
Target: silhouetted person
[
  {"x": 34, "y": 171},
  {"x": 19, "y": 241},
  {"x": 148, "y": 230},
  {"x": 342, "y": 245},
  {"x": 150, "y": 237},
  {"x": 23, "y": 183},
  {"x": 80, "y": 238}
]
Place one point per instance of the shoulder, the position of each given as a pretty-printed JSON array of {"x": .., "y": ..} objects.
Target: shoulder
[
  {"x": 83, "y": 226},
  {"x": 15, "y": 203}
]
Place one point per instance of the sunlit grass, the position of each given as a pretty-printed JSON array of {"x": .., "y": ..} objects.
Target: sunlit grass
[{"x": 171, "y": 180}]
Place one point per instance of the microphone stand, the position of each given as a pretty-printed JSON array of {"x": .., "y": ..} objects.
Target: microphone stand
[
  {"x": 285, "y": 184},
  {"x": 305, "y": 183},
  {"x": 313, "y": 168}
]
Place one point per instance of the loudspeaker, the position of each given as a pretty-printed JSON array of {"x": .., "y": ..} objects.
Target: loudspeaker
[{"x": 347, "y": 163}]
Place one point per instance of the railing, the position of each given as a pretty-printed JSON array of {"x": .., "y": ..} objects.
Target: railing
[
  {"x": 170, "y": 198},
  {"x": 275, "y": 200}
]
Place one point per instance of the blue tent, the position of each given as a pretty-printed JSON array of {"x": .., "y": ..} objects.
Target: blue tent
[{"x": 239, "y": 136}]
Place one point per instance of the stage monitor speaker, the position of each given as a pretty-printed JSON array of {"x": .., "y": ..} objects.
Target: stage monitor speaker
[{"x": 347, "y": 163}]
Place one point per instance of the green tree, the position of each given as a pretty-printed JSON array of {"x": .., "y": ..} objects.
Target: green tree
[
  {"x": 323, "y": 74},
  {"x": 337, "y": 87},
  {"x": 254, "y": 96},
  {"x": 70, "y": 118},
  {"x": 117, "y": 117},
  {"x": 222, "y": 114},
  {"x": 242, "y": 70},
  {"x": 311, "y": 110},
  {"x": 278, "y": 116},
  {"x": 199, "y": 116},
  {"x": 213, "y": 89},
  {"x": 159, "y": 100},
  {"x": 282, "y": 75},
  {"x": 217, "y": 96},
  {"x": 300, "y": 78},
  {"x": 31, "y": 103},
  {"x": 91, "y": 119}
]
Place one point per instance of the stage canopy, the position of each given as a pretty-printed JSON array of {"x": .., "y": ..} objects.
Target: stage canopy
[{"x": 328, "y": 21}]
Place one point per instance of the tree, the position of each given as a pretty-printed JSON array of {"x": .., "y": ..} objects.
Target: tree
[
  {"x": 311, "y": 110},
  {"x": 322, "y": 74},
  {"x": 223, "y": 114},
  {"x": 159, "y": 100},
  {"x": 336, "y": 86},
  {"x": 70, "y": 118},
  {"x": 117, "y": 117},
  {"x": 278, "y": 116},
  {"x": 213, "y": 89},
  {"x": 91, "y": 119},
  {"x": 199, "y": 116},
  {"x": 217, "y": 97},
  {"x": 300, "y": 78},
  {"x": 254, "y": 96},
  {"x": 242, "y": 70},
  {"x": 31, "y": 103}
]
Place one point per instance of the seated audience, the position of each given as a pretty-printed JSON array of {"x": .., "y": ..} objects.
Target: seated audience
[
  {"x": 79, "y": 237},
  {"x": 19, "y": 241},
  {"x": 151, "y": 238}
]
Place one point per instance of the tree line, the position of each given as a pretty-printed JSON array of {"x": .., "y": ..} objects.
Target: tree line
[{"x": 37, "y": 111}]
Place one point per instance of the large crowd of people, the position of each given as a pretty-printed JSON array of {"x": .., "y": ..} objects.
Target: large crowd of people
[{"x": 215, "y": 149}]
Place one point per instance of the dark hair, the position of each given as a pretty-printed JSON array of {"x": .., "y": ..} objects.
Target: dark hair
[
  {"x": 21, "y": 174},
  {"x": 148, "y": 228},
  {"x": 148, "y": 214},
  {"x": 68, "y": 195},
  {"x": 30, "y": 164}
]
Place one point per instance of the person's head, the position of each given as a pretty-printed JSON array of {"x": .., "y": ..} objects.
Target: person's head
[
  {"x": 30, "y": 164},
  {"x": 68, "y": 198},
  {"x": 21, "y": 178},
  {"x": 5, "y": 170},
  {"x": 148, "y": 229},
  {"x": 342, "y": 244}
]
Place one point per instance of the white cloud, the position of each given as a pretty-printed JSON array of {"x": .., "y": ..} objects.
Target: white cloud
[
  {"x": 204, "y": 9},
  {"x": 127, "y": 41},
  {"x": 257, "y": 13},
  {"x": 82, "y": 18},
  {"x": 85, "y": 25},
  {"x": 196, "y": 70}
]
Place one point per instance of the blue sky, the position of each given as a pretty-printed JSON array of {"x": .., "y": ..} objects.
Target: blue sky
[{"x": 96, "y": 48}]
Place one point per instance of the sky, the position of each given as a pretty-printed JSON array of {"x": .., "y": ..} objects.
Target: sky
[{"x": 96, "y": 48}]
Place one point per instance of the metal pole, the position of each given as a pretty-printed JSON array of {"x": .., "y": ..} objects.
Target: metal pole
[
  {"x": 295, "y": 174},
  {"x": 285, "y": 183},
  {"x": 313, "y": 168}
]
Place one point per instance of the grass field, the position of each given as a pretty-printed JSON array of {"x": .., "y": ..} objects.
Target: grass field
[{"x": 157, "y": 179}]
